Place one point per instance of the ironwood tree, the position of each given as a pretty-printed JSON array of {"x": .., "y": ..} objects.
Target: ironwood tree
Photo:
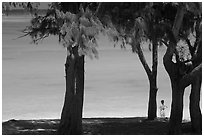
[
  {"x": 186, "y": 69},
  {"x": 123, "y": 15},
  {"x": 172, "y": 24},
  {"x": 77, "y": 28}
]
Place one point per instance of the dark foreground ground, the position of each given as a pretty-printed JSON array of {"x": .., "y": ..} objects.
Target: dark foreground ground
[{"x": 94, "y": 126}]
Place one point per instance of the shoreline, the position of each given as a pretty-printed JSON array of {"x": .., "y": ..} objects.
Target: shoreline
[{"x": 91, "y": 118}]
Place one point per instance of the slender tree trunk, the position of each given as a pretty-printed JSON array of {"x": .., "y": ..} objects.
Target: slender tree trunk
[
  {"x": 71, "y": 117},
  {"x": 195, "y": 112},
  {"x": 152, "y": 106},
  {"x": 152, "y": 76},
  {"x": 176, "y": 108}
]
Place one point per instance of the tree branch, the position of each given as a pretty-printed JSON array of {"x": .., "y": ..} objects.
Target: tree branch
[
  {"x": 167, "y": 60},
  {"x": 164, "y": 42},
  {"x": 190, "y": 77},
  {"x": 178, "y": 20},
  {"x": 191, "y": 48},
  {"x": 154, "y": 57},
  {"x": 173, "y": 36},
  {"x": 100, "y": 10},
  {"x": 143, "y": 60}
]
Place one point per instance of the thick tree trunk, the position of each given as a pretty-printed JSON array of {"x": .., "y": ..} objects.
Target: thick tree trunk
[
  {"x": 195, "y": 112},
  {"x": 179, "y": 83},
  {"x": 173, "y": 71},
  {"x": 177, "y": 92},
  {"x": 176, "y": 108},
  {"x": 71, "y": 117}
]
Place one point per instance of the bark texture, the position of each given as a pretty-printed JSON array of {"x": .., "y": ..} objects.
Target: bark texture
[
  {"x": 152, "y": 106},
  {"x": 173, "y": 71},
  {"x": 176, "y": 108},
  {"x": 179, "y": 83},
  {"x": 195, "y": 112},
  {"x": 180, "y": 80},
  {"x": 71, "y": 117},
  {"x": 152, "y": 77}
]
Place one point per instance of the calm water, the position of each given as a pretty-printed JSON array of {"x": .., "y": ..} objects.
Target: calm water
[{"x": 33, "y": 83}]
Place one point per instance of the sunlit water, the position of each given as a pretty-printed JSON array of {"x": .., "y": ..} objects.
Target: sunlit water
[{"x": 33, "y": 82}]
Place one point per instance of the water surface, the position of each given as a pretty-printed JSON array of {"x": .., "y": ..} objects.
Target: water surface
[{"x": 33, "y": 83}]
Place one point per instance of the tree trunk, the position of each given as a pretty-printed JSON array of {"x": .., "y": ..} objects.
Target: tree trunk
[
  {"x": 177, "y": 92},
  {"x": 152, "y": 76},
  {"x": 195, "y": 112},
  {"x": 176, "y": 108},
  {"x": 173, "y": 71},
  {"x": 152, "y": 105},
  {"x": 71, "y": 117},
  {"x": 178, "y": 84}
]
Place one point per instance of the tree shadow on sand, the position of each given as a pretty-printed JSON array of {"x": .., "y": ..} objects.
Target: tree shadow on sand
[{"x": 94, "y": 126}]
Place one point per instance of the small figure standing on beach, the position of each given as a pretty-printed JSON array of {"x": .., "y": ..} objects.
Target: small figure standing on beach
[{"x": 162, "y": 109}]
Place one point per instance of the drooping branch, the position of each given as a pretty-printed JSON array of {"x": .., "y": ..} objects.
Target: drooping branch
[{"x": 190, "y": 77}]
